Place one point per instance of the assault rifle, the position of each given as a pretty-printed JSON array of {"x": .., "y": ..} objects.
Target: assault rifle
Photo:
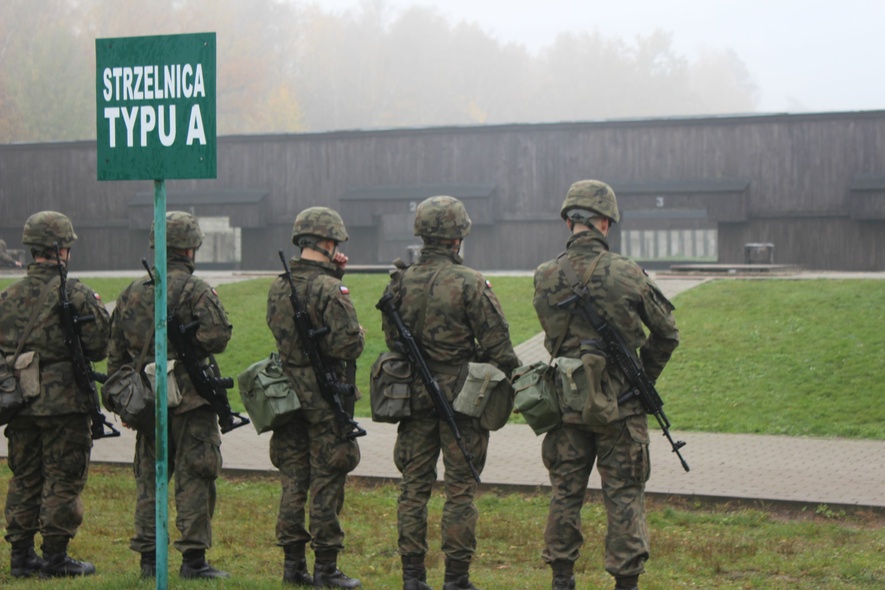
[
  {"x": 207, "y": 379},
  {"x": 84, "y": 375},
  {"x": 416, "y": 358},
  {"x": 625, "y": 358},
  {"x": 331, "y": 388}
]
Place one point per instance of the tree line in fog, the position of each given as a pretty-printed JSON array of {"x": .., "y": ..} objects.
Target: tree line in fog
[{"x": 288, "y": 67}]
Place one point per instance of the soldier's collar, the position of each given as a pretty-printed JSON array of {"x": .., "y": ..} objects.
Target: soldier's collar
[
  {"x": 329, "y": 267},
  {"x": 586, "y": 237},
  {"x": 438, "y": 250},
  {"x": 178, "y": 261}
]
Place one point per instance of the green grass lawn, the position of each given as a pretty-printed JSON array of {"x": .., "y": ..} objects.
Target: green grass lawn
[
  {"x": 800, "y": 357},
  {"x": 692, "y": 546},
  {"x": 794, "y": 357},
  {"x": 776, "y": 356}
]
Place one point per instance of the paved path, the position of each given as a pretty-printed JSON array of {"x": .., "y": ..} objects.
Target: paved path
[
  {"x": 723, "y": 466},
  {"x": 836, "y": 472}
]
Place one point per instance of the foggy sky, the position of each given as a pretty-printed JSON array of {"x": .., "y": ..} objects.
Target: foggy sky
[{"x": 804, "y": 55}]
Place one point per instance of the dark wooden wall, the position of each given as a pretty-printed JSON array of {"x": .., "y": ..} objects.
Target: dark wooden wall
[{"x": 785, "y": 179}]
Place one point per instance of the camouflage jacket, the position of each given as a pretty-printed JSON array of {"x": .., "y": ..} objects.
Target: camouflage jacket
[
  {"x": 133, "y": 321},
  {"x": 463, "y": 320},
  {"x": 59, "y": 394},
  {"x": 621, "y": 292},
  {"x": 328, "y": 304}
]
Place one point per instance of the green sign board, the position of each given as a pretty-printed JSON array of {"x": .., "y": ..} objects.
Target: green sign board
[{"x": 155, "y": 112}]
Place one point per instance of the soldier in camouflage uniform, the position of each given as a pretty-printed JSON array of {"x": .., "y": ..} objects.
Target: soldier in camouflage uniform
[
  {"x": 456, "y": 318},
  {"x": 194, "y": 437},
  {"x": 49, "y": 439},
  {"x": 312, "y": 452},
  {"x": 627, "y": 297},
  {"x": 6, "y": 259}
]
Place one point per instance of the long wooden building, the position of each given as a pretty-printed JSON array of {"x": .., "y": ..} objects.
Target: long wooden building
[{"x": 690, "y": 189}]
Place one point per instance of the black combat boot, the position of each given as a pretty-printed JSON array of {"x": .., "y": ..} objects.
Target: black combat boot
[
  {"x": 563, "y": 575},
  {"x": 194, "y": 566},
  {"x": 24, "y": 561},
  {"x": 458, "y": 576},
  {"x": 327, "y": 575},
  {"x": 148, "y": 565},
  {"x": 626, "y": 582},
  {"x": 295, "y": 566},
  {"x": 414, "y": 573},
  {"x": 59, "y": 565}
]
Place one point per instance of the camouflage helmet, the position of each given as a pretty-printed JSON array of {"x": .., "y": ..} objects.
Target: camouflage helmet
[
  {"x": 442, "y": 217},
  {"x": 591, "y": 195},
  {"x": 182, "y": 231},
  {"x": 321, "y": 222},
  {"x": 46, "y": 228}
]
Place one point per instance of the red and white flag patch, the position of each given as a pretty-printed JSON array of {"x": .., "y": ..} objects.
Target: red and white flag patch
[{"x": 344, "y": 289}]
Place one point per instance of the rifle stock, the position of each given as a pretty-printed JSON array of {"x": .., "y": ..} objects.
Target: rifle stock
[
  {"x": 84, "y": 375},
  {"x": 416, "y": 358},
  {"x": 331, "y": 387},
  {"x": 625, "y": 358}
]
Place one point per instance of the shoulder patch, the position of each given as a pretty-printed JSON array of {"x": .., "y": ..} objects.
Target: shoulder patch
[
  {"x": 214, "y": 292},
  {"x": 344, "y": 289},
  {"x": 96, "y": 295},
  {"x": 488, "y": 283}
]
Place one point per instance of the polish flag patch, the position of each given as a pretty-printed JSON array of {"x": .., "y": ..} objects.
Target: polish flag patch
[
  {"x": 96, "y": 295},
  {"x": 488, "y": 284},
  {"x": 214, "y": 292},
  {"x": 344, "y": 289}
]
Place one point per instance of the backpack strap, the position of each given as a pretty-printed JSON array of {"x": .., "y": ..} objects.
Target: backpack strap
[
  {"x": 422, "y": 314},
  {"x": 395, "y": 287},
  {"x": 175, "y": 298},
  {"x": 578, "y": 286},
  {"x": 140, "y": 363},
  {"x": 47, "y": 289}
]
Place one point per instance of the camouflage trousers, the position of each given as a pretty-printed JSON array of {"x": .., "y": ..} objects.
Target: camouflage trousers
[
  {"x": 621, "y": 454},
  {"x": 418, "y": 444},
  {"x": 313, "y": 459},
  {"x": 49, "y": 460},
  {"x": 195, "y": 460}
]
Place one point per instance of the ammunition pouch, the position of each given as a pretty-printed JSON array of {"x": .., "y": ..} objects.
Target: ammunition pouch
[{"x": 267, "y": 394}]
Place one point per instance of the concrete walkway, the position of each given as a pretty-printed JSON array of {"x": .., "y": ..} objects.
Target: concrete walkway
[{"x": 724, "y": 467}]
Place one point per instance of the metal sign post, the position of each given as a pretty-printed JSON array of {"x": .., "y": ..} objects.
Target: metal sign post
[
  {"x": 156, "y": 120},
  {"x": 161, "y": 411}
]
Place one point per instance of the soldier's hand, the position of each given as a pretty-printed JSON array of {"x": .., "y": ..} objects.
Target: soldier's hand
[{"x": 340, "y": 259}]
